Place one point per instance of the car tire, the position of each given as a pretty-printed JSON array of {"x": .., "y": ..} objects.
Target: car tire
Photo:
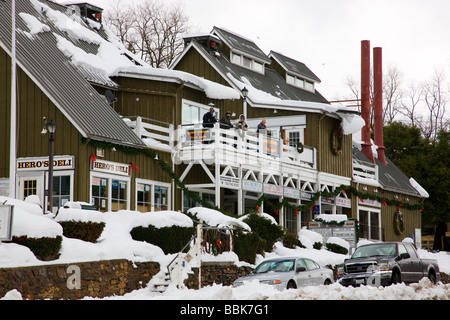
[
  {"x": 396, "y": 277},
  {"x": 291, "y": 285},
  {"x": 327, "y": 282}
]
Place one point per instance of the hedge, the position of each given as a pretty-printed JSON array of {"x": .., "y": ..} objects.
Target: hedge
[
  {"x": 169, "y": 239},
  {"x": 45, "y": 249},
  {"x": 86, "y": 231}
]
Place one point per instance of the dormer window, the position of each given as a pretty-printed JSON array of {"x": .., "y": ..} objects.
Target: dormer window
[
  {"x": 247, "y": 62},
  {"x": 299, "y": 82}
]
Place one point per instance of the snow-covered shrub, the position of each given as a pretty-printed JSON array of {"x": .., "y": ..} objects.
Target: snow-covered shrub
[
  {"x": 265, "y": 229},
  {"x": 169, "y": 239},
  {"x": 43, "y": 248},
  {"x": 247, "y": 245},
  {"x": 290, "y": 241},
  {"x": 86, "y": 231},
  {"x": 337, "y": 245},
  {"x": 310, "y": 239}
]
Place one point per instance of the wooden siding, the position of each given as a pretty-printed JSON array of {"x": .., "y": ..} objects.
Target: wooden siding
[
  {"x": 32, "y": 106},
  {"x": 412, "y": 218}
]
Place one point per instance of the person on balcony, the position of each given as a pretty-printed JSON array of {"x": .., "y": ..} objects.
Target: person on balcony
[
  {"x": 209, "y": 118},
  {"x": 225, "y": 122},
  {"x": 240, "y": 123},
  {"x": 262, "y": 127}
]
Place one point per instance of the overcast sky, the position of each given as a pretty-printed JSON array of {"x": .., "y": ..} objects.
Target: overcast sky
[{"x": 326, "y": 34}]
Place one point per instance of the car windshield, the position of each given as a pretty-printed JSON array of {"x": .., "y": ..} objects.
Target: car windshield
[
  {"x": 384, "y": 249},
  {"x": 276, "y": 266}
]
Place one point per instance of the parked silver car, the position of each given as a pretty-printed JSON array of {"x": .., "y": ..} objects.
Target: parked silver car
[{"x": 289, "y": 273}]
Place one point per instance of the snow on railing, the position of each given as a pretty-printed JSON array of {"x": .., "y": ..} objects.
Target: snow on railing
[
  {"x": 155, "y": 134},
  {"x": 365, "y": 170}
]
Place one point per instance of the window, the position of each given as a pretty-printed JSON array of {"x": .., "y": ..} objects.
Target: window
[
  {"x": 118, "y": 195},
  {"x": 61, "y": 190},
  {"x": 311, "y": 264},
  {"x": 299, "y": 82},
  {"x": 295, "y": 135},
  {"x": 369, "y": 223},
  {"x": 192, "y": 113},
  {"x": 29, "y": 188},
  {"x": 291, "y": 220},
  {"x": 247, "y": 62},
  {"x": 100, "y": 193},
  {"x": 191, "y": 203},
  {"x": 152, "y": 196}
]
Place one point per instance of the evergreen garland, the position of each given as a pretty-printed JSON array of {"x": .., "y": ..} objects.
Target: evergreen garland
[
  {"x": 275, "y": 207},
  {"x": 152, "y": 154}
]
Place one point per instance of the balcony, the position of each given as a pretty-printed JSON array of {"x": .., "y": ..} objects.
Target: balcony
[{"x": 228, "y": 146}]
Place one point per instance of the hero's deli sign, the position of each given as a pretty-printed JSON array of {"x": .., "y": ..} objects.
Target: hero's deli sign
[
  {"x": 110, "y": 167},
  {"x": 41, "y": 163}
]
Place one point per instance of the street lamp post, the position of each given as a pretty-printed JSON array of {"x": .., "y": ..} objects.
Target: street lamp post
[
  {"x": 244, "y": 95},
  {"x": 51, "y": 127}
]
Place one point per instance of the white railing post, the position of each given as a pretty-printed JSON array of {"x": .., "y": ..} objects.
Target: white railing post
[{"x": 199, "y": 252}]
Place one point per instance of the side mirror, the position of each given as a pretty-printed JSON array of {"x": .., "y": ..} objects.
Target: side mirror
[
  {"x": 405, "y": 255},
  {"x": 301, "y": 269}
]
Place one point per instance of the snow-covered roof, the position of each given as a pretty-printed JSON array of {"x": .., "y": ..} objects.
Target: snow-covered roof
[{"x": 42, "y": 26}]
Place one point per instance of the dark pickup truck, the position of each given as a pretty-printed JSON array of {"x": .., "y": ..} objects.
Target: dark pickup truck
[{"x": 386, "y": 263}]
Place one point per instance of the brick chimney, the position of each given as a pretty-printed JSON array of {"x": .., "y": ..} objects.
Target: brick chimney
[
  {"x": 365, "y": 100},
  {"x": 378, "y": 103}
]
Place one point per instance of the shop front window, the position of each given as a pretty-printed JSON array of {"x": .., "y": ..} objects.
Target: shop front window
[
  {"x": 61, "y": 190},
  {"x": 100, "y": 193},
  {"x": 152, "y": 197},
  {"x": 369, "y": 224},
  {"x": 118, "y": 195}
]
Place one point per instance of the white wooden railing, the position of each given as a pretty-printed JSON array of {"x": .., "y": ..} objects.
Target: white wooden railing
[
  {"x": 248, "y": 142},
  {"x": 364, "y": 169}
]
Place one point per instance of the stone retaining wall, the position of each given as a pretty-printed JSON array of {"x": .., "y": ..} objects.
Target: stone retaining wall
[
  {"x": 77, "y": 280},
  {"x": 216, "y": 272}
]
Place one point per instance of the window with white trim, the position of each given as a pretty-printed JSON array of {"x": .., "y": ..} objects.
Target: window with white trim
[
  {"x": 247, "y": 62},
  {"x": 192, "y": 112},
  {"x": 152, "y": 196},
  {"x": 299, "y": 82}
]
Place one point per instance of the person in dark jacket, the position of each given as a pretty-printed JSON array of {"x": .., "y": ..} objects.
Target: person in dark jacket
[
  {"x": 209, "y": 118},
  {"x": 262, "y": 127},
  {"x": 225, "y": 122}
]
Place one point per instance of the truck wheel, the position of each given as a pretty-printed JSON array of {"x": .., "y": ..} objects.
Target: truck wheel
[
  {"x": 432, "y": 277},
  {"x": 396, "y": 278},
  {"x": 327, "y": 282}
]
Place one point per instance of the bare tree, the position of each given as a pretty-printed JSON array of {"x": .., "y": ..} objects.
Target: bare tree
[
  {"x": 435, "y": 97},
  {"x": 150, "y": 30},
  {"x": 413, "y": 97},
  {"x": 392, "y": 93}
]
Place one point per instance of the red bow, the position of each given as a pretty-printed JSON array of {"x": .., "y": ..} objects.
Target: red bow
[{"x": 134, "y": 167}]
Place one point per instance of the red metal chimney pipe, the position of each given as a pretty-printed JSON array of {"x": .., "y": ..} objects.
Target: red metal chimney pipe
[
  {"x": 378, "y": 103},
  {"x": 365, "y": 99}
]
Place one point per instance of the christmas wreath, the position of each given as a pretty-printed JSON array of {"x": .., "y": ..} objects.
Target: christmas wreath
[
  {"x": 337, "y": 135},
  {"x": 300, "y": 147}
]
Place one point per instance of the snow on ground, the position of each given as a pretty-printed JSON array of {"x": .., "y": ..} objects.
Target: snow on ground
[{"x": 116, "y": 243}]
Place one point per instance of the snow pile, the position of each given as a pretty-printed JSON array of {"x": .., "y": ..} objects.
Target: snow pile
[
  {"x": 116, "y": 243},
  {"x": 264, "y": 215},
  {"x": 33, "y": 23},
  {"x": 216, "y": 218},
  {"x": 28, "y": 220},
  {"x": 331, "y": 217},
  {"x": 308, "y": 238},
  {"x": 339, "y": 241},
  {"x": 418, "y": 188}
]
